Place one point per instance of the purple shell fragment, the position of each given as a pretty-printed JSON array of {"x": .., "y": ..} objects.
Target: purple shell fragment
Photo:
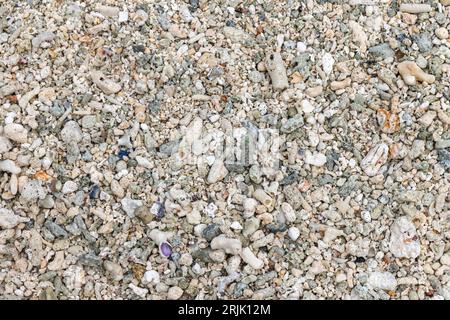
[{"x": 165, "y": 249}]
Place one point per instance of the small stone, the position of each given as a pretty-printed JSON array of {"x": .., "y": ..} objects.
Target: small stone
[
  {"x": 5, "y": 145},
  {"x": 411, "y": 73},
  {"x": 382, "y": 280},
  {"x": 71, "y": 132},
  {"x": 130, "y": 205},
  {"x": 151, "y": 277},
  {"x": 55, "y": 229},
  {"x": 404, "y": 241},
  {"x": 8, "y": 219},
  {"x": 144, "y": 213},
  {"x": 33, "y": 190},
  {"x": 417, "y": 149},
  {"x": 441, "y": 33},
  {"x": 174, "y": 293},
  {"x": 88, "y": 122},
  {"x": 442, "y": 144},
  {"x": 123, "y": 16},
  {"x": 211, "y": 231},
  {"x": 229, "y": 245},
  {"x": 194, "y": 217},
  {"x": 375, "y": 159},
  {"x": 383, "y": 51},
  {"x": 234, "y": 34},
  {"x": 45, "y": 36},
  {"x": 9, "y": 166},
  {"x": 217, "y": 172},
  {"x": 292, "y": 124},
  {"x": 107, "y": 11},
  {"x": 114, "y": 270},
  {"x": 16, "y": 132},
  {"x": 445, "y": 259},
  {"x": 293, "y": 233},
  {"x": 106, "y": 85},
  {"x": 69, "y": 187},
  {"x": 327, "y": 63},
  {"x": 316, "y": 159},
  {"x": 306, "y": 106}
]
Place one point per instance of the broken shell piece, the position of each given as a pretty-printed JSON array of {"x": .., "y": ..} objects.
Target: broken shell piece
[
  {"x": 263, "y": 197},
  {"x": 411, "y": 73},
  {"x": 415, "y": 7},
  {"x": 9, "y": 166},
  {"x": 277, "y": 71},
  {"x": 106, "y": 85},
  {"x": 338, "y": 85},
  {"x": 5, "y": 145},
  {"x": 375, "y": 159},
  {"x": 404, "y": 242},
  {"x": 159, "y": 237},
  {"x": 165, "y": 249},
  {"x": 9, "y": 220},
  {"x": 314, "y": 91},
  {"x": 23, "y": 101},
  {"x": 359, "y": 36},
  {"x": 389, "y": 122},
  {"x": 229, "y": 245},
  {"x": 16, "y": 132},
  {"x": 45, "y": 36},
  {"x": 217, "y": 172},
  {"x": 249, "y": 257}
]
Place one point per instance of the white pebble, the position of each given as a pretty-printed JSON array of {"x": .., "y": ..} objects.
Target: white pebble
[{"x": 293, "y": 233}]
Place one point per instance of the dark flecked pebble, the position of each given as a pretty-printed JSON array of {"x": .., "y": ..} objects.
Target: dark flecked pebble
[
  {"x": 55, "y": 229},
  {"x": 90, "y": 260},
  {"x": 276, "y": 227},
  {"x": 360, "y": 260},
  {"x": 211, "y": 231},
  {"x": 138, "y": 48},
  {"x": 123, "y": 153},
  {"x": 289, "y": 179},
  {"x": 94, "y": 192}
]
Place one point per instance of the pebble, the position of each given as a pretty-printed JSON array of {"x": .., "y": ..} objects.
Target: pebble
[
  {"x": 174, "y": 293},
  {"x": 114, "y": 269},
  {"x": 229, "y": 245},
  {"x": 294, "y": 233},
  {"x": 15, "y": 132},
  {"x": 8, "y": 219},
  {"x": 411, "y": 73},
  {"x": 9, "y": 166},
  {"x": 217, "y": 172},
  {"x": 71, "y": 132},
  {"x": 69, "y": 187},
  {"x": 106, "y": 85},
  {"x": 383, "y": 51},
  {"x": 327, "y": 63},
  {"x": 375, "y": 159},
  {"x": 5, "y": 145},
  {"x": 277, "y": 71},
  {"x": 404, "y": 242},
  {"x": 317, "y": 159},
  {"x": 292, "y": 124},
  {"x": 382, "y": 280},
  {"x": 249, "y": 257},
  {"x": 210, "y": 232},
  {"x": 33, "y": 190},
  {"x": 130, "y": 206},
  {"x": 414, "y": 7},
  {"x": 441, "y": 33}
]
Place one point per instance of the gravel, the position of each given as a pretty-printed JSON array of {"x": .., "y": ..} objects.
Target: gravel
[{"x": 224, "y": 150}]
